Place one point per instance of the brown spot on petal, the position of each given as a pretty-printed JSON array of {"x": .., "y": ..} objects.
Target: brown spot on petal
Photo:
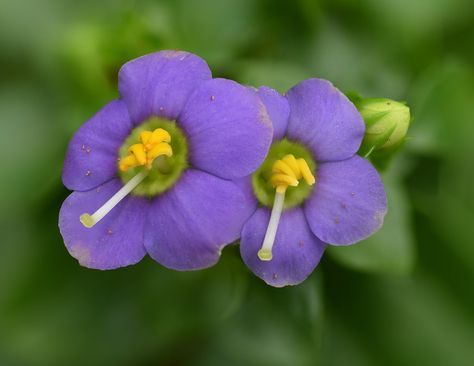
[
  {"x": 379, "y": 216},
  {"x": 109, "y": 231},
  {"x": 337, "y": 220},
  {"x": 263, "y": 115},
  {"x": 174, "y": 54},
  {"x": 343, "y": 205},
  {"x": 82, "y": 254},
  {"x": 86, "y": 148},
  {"x": 301, "y": 243}
]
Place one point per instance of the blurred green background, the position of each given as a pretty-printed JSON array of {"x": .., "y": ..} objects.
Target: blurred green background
[{"x": 404, "y": 297}]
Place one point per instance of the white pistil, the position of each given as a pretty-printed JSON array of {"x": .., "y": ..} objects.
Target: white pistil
[
  {"x": 90, "y": 220},
  {"x": 265, "y": 252}
]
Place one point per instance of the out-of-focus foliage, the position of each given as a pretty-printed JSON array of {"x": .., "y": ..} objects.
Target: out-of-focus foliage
[{"x": 402, "y": 297}]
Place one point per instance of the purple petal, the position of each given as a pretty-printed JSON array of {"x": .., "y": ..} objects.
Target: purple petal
[
  {"x": 323, "y": 119},
  {"x": 91, "y": 157},
  {"x": 278, "y": 109},
  {"x": 116, "y": 240},
  {"x": 296, "y": 251},
  {"x": 160, "y": 83},
  {"x": 188, "y": 226},
  {"x": 348, "y": 203},
  {"x": 229, "y": 131}
]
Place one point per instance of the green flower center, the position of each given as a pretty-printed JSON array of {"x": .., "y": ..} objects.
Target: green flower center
[
  {"x": 262, "y": 179},
  {"x": 164, "y": 170}
]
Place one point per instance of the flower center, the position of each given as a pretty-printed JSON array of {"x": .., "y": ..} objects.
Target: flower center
[
  {"x": 285, "y": 172},
  {"x": 261, "y": 179},
  {"x": 159, "y": 147},
  {"x": 153, "y": 145},
  {"x": 151, "y": 160}
]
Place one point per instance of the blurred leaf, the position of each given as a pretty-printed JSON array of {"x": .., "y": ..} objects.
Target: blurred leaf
[
  {"x": 30, "y": 146},
  {"x": 391, "y": 249},
  {"x": 214, "y": 29},
  {"x": 398, "y": 320},
  {"x": 275, "y": 74},
  {"x": 351, "y": 60},
  {"x": 94, "y": 52},
  {"x": 273, "y": 327},
  {"x": 442, "y": 106}
]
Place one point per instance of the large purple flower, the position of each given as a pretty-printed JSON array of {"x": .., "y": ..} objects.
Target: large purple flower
[
  {"x": 313, "y": 188},
  {"x": 176, "y": 140}
]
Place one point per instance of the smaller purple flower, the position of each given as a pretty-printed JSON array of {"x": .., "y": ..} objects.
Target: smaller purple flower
[
  {"x": 312, "y": 188},
  {"x": 157, "y": 171}
]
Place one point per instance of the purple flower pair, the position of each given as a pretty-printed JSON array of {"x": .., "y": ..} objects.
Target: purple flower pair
[
  {"x": 227, "y": 132},
  {"x": 213, "y": 186}
]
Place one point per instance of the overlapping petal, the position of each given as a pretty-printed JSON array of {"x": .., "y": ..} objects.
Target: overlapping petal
[
  {"x": 115, "y": 241},
  {"x": 296, "y": 251},
  {"x": 91, "y": 157},
  {"x": 348, "y": 203},
  {"x": 278, "y": 110},
  {"x": 324, "y": 120},
  {"x": 188, "y": 226},
  {"x": 228, "y": 129},
  {"x": 159, "y": 83}
]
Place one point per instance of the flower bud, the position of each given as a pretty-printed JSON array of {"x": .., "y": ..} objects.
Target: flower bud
[{"x": 386, "y": 122}]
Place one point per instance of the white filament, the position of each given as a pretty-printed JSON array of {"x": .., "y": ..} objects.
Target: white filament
[
  {"x": 265, "y": 252},
  {"x": 90, "y": 220}
]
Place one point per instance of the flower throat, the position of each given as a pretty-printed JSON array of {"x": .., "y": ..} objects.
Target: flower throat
[
  {"x": 280, "y": 171},
  {"x": 150, "y": 161}
]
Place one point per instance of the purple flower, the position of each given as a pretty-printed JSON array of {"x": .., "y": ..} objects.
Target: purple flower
[
  {"x": 179, "y": 141},
  {"x": 312, "y": 177}
]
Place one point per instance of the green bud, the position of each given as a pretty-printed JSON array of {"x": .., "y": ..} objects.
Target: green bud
[{"x": 386, "y": 122}]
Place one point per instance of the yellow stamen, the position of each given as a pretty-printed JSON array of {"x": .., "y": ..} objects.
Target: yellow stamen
[
  {"x": 291, "y": 162},
  {"x": 162, "y": 148},
  {"x": 285, "y": 173},
  {"x": 138, "y": 150},
  {"x": 278, "y": 179},
  {"x": 306, "y": 172},
  {"x": 280, "y": 167},
  {"x": 157, "y": 136},
  {"x": 153, "y": 144},
  {"x": 128, "y": 162},
  {"x": 145, "y": 136}
]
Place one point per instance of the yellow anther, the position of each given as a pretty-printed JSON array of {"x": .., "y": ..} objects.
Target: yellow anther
[
  {"x": 162, "y": 148},
  {"x": 306, "y": 172},
  {"x": 281, "y": 167},
  {"x": 153, "y": 144},
  {"x": 128, "y": 162},
  {"x": 145, "y": 136},
  {"x": 157, "y": 136},
  {"x": 283, "y": 180},
  {"x": 287, "y": 171},
  {"x": 138, "y": 150},
  {"x": 293, "y": 164}
]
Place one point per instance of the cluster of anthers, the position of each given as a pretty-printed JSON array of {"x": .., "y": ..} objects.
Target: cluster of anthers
[
  {"x": 153, "y": 145},
  {"x": 285, "y": 172}
]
